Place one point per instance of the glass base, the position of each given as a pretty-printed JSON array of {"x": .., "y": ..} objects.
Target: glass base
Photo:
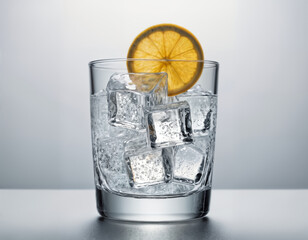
[{"x": 118, "y": 207}]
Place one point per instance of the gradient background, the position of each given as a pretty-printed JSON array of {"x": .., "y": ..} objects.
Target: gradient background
[{"x": 45, "y": 47}]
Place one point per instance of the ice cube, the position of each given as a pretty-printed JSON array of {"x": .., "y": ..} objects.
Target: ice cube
[
  {"x": 111, "y": 155},
  {"x": 99, "y": 120},
  {"x": 203, "y": 143},
  {"x": 146, "y": 166},
  {"x": 129, "y": 94},
  {"x": 206, "y": 145},
  {"x": 109, "y": 162},
  {"x": 203, "y": 110},
  {"x": 137, "y": 144},
  {"x": 189, "y": 163},
  {"x": 126, "y": 109},
  {"x": 169, "y": 125}
]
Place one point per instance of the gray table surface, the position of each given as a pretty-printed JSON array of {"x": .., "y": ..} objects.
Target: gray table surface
[{"x": 234, "y": 214}]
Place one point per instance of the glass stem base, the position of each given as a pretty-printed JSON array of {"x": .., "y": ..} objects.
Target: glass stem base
[{"x": 118, "y": 207}]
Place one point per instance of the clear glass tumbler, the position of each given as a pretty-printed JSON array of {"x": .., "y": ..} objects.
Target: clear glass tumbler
[{"x": 152, "y": 154}]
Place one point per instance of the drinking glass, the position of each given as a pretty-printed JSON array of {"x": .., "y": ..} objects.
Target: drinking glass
[{"x": 152, "y": 153}]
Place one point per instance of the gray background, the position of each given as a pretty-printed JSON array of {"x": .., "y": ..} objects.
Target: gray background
[{"x": 44, "y": 91}]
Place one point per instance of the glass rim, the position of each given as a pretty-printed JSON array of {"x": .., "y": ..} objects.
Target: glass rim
[{"x": 99, "y": 63}]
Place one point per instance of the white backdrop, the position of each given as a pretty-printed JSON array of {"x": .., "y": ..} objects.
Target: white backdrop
[{"x": 45, "y": 47}]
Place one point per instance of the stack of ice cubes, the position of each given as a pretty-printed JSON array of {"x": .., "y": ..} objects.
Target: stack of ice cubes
[{"x": 153, "y": 139}]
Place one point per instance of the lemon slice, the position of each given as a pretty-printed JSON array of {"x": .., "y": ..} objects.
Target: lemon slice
[{"x": 177, "y": 50}]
